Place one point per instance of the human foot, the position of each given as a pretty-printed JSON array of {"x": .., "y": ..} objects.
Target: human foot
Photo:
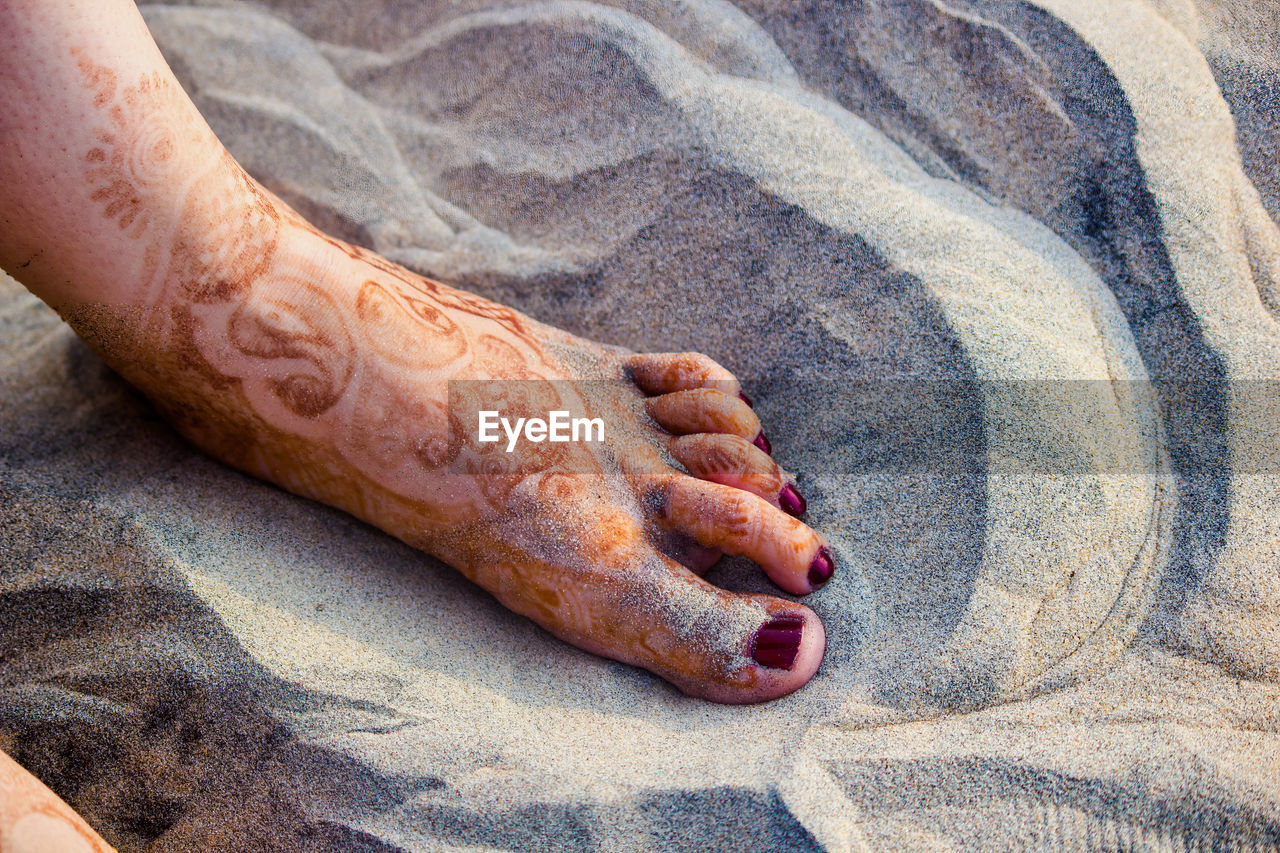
[
  {"x": 351, "y": 381},
  {"x": 339, "y": 376},
  {"x": 329, "y": 371}
]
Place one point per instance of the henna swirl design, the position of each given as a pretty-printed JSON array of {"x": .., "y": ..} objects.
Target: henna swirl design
[
  {"x": 433, "y": 450},
  {"x": 394, "y": 428},
  {"x": 496, "y": 357},
  {"x": 245, "y": 320},
  {"x": 474, "y": 305},
  {"x": 309, "y": 359},
  {"x": 388, "y": 315},
  {"x": 237, "y": 229},
  {"x": 218, "y": 230},
  {"x": 496, "y": 471},
  {"x": 445, "y": 296}
]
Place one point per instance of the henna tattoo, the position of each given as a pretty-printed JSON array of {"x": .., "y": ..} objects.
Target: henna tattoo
[
  {"x": 433, "y": 450},
  {"x": 391, "y": 319},
  {"x": 396, "y": 429},
  {"x": 309, "y": 361},
  {"x": 237, "y": 319},
  {"x": 141, "y": 150},
  {"x": 325, "y": 372},
  {"x": 496, "y": 357},
  {"x": 446, "y": 297},
  {"x": 158, "y": 172},
  {"x": 496, "y": 471},
  {"x": 506, "y": 317},
  {"x": 228, "y": 236},
  {"x": 99, "y": 78}
]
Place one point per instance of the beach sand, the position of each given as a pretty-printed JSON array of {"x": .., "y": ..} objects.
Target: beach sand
[{"x": 1002, "y": 282}]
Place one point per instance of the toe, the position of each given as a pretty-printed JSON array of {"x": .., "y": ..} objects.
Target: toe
[
  {"x": 662, "y": 373},
  {"x": 619, "y": 597},
  {"x": 708, "y": 642},
  {"x": 682, "y": 548},
  {"x": 786, "y": 649},
  {"x": 704, "y": 410},
  {"x": 733, "y": 461},
  {"x": 791, "y": 640},
  {"x": 738, "y": 522}
]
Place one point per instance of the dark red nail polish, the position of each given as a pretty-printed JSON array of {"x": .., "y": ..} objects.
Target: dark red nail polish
[
  {"x": 777, "y": 642},
  {"x": 792, "y": 501},
  {"x": 744, "y": 398},
  {"x": 763, "y": 443},
  {"x": 822, "y": 568}
]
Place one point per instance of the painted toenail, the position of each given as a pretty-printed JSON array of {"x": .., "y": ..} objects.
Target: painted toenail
[
  {"x": 822, "y": 568},
  {"x": 763, "y": 443},
  {"x": 777, "y": 642},
  {"x": 744, "y": 398},
  {"x": 792, "y": 501}
]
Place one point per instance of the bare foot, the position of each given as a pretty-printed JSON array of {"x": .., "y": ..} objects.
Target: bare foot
[{"x": 342, "y": 377}]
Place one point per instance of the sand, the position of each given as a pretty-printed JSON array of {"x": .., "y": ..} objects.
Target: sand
[{"x": 1002, "y": 280}]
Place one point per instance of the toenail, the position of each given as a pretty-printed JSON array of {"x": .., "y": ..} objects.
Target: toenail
[
  {"x": 763, "y": 443},
  {"x": 777, "y": 642},
  {"x": 792, "y": 501},
  {"x": 744, "y": 398},
  {"x": 822, "y": 568}
]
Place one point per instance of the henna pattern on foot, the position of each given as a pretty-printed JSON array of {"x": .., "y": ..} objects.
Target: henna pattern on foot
[{"x": 326, "y": 369}]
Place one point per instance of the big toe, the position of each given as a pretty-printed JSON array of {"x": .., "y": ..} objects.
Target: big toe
[
  {"x": 706, "y": 641},
  {"x": 787, "y": 649}
]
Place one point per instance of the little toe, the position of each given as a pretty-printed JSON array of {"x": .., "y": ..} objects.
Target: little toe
[
  {"x": 733, "y": 461},
  {"x": 699, "y": 559},
  {"x": 662, "y": 373},
  {"x": 704, "y": 410},
  {"x": 739, "y": 522}
]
